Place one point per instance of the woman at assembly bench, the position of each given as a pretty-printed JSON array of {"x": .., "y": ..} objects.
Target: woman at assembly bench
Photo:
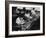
[{"x": 26, "y": 20}]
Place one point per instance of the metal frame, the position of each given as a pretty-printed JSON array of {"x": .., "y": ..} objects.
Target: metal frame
[{"x": 7, "y": 18}]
